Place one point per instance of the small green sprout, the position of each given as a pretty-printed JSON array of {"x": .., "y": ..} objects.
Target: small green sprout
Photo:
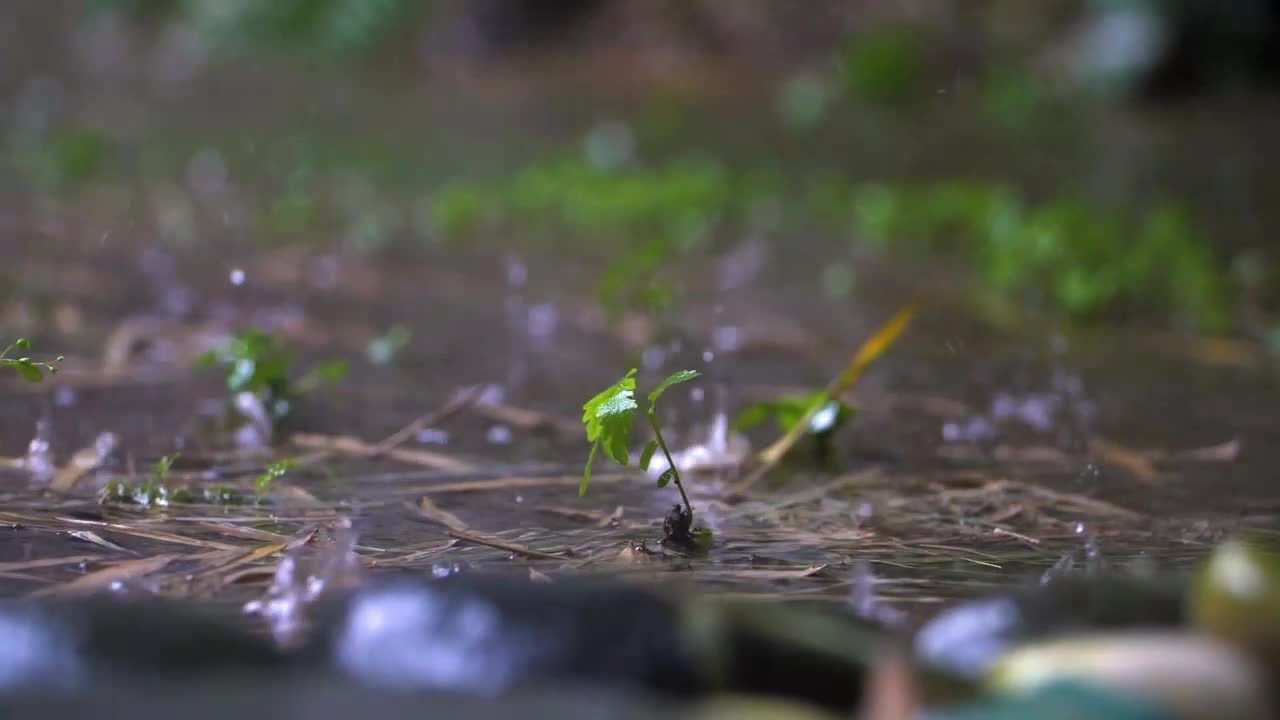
[
  {"x": 274, "y": 471},
  {"x": 260, "y": 363},
  {"x": 30, "y": 370},
  {"x": 787, "y": 411},
  {"x": 154, "y": 491},
  {"x": 609, "y": 418}
]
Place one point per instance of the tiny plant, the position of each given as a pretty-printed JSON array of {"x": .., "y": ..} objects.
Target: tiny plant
[
  {"x": 260, "y": 363},
  {"x": 274, "y": 471},
  {"x": 788, "y": 411},
  {"x": 154, "y": 491},
  {"x": 609, "y": 418},
  {"x": 30, "y": 370}
]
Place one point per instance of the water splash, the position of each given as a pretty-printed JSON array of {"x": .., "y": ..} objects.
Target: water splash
[
  {"x": 39, "y": 461},
  {"x": 301, "y": 579},
  {"x": 1086, "y": 561}
]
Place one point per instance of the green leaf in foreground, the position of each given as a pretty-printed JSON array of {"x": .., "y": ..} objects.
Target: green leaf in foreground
[
  {"x": 608, "y": 418},
  {"x": 28, "y": 369},
  {"x": 665, "y": 478},
  {"x": 672, "y": 379},
  {"x": 646, "y": 457}
]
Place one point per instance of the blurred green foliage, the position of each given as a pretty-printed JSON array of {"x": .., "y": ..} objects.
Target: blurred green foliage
[
  {"x": 60, "y": 159},
  {"x": 678, "y": 200},
  {"x": 260, "y": 363},
  {"x": 325, "y": 26},
  {"x": 28, "y": 369},
  {"x": 644, "y": 218},
  {"x": 1088, "y": 260},
  {"x": 884, "y": 66}
]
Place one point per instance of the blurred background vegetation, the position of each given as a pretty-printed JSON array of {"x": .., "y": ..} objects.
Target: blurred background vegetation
[{"x": 1094, "y": 162}]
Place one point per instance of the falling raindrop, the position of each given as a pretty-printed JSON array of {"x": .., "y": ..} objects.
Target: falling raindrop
[
  {"x": 498, "y": 435},
  {"x": 237, "y": 277},
  {"x": 39, "y": 460},
  {"x": 433, "y": 436},
  {"x": 610, "y": 145}
]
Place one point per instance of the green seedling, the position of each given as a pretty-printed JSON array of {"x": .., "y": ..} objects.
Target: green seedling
[
  {"x": 383, "y": 349},
  {"x": 609, "y": 418},
  {"x": 30, "y": 370},
  {"x": 274, "y": 471},
  {"x": 154, "y": 491},
  {"x": 259, "y": 363},
  {"x": 787, "y": 412}
]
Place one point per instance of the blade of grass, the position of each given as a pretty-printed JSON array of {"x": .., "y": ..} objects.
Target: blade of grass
[{"x": 104, "y": 578}]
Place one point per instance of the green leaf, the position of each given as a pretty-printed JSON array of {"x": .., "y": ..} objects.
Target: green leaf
[
  {"x": 647, "y": 456},
  {"x": 28, "y": 371},
  {"x": 609, "y": 417},
  {"x": 22, "y": 344},
  {"x": 160, "y": 471},
  {"x": 753, "y": 415},
  {"x": 673, "y": 379},
  {"x": 332, "y": 371},
  {"x": 665, "y": 478},
  {"x": 586, "y": 473},
  {"x": 275, "y": 471}
]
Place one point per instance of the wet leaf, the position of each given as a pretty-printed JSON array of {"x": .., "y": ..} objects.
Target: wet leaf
[
  {"x": 608, "y": 417},
  {"x": 22, "y": 344},
  {"x": 673, "y": 379},
  {"x": 788, "y": 411},
  {"x": 274, "y": 472},
  {"x": 586, "y": 473},
  {"x": 332, "y": 371},
  {"x": 665, "y": 478},
  {"x": 27, "y": 370},
  {"x": 647, "y": 456}
]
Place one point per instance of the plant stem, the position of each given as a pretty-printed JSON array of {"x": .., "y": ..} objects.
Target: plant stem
[{"x": 671, "y": 463}]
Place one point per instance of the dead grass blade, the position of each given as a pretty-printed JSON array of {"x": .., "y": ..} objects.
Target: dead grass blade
[
  {"x": 102, "y": 579},
  {"x": 460, "y": 401},
  {"x": 96, "y": 539},
  {"x": 348, "y": 445},
  {"x": 84, "y": 461},
  {"x": 517, "y": 483},
  {"x": 47, "y": 562},
  {"x": 597, "y": 518},
  {"x": 513, "y": 548},
  {"x": 443, "y": 517},
  {"x": 870, "y": 350},
  {"x": 527, "y": 420},
  {"x": 156, "y": 535},
  {"x": 241, "y": 559},
  {"x": 1140, "y": 465}
]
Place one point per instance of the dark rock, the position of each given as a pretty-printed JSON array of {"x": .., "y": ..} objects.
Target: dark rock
[
  {"x": 490, "y": 635},
  {"x": 67, "y": 644}
]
